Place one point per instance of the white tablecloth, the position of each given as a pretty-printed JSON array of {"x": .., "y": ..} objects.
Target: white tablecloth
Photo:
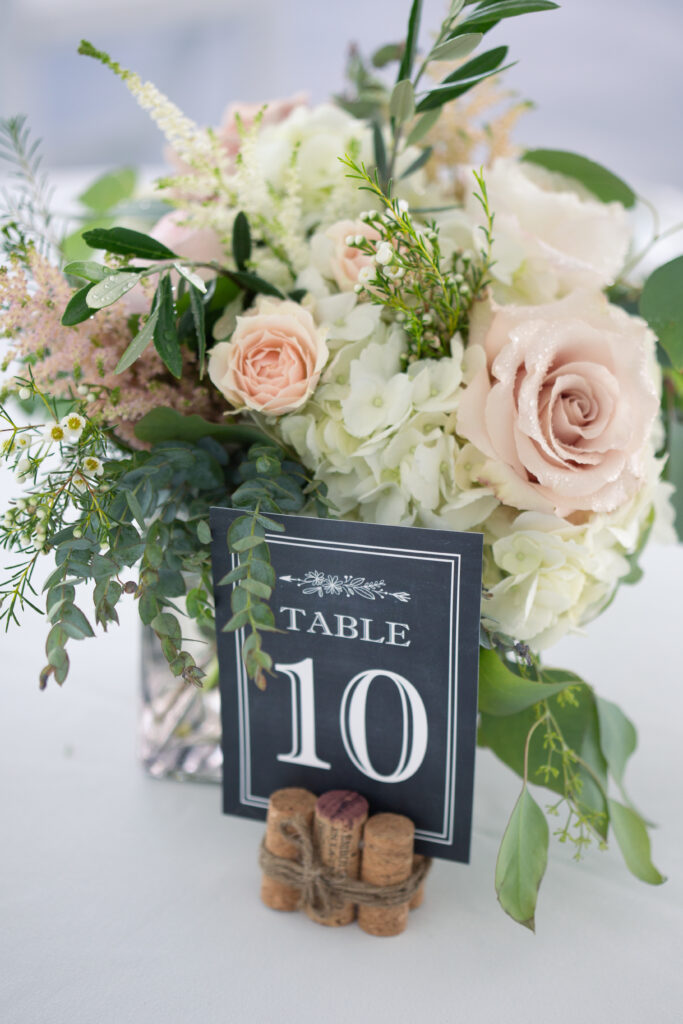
[{"x": 123, "y": 899}]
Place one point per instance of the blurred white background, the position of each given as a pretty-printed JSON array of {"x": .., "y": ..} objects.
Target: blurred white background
[{"x": 606, "y": 75}]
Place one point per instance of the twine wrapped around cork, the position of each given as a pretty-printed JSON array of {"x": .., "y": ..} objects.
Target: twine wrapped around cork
[{"x": 300, "y": 878}]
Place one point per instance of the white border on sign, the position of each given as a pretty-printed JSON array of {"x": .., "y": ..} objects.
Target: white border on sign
[{"x": 249, "y": 799}]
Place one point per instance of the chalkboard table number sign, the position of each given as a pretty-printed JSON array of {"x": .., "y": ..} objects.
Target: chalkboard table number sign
[{"x": 375, "y": 673}]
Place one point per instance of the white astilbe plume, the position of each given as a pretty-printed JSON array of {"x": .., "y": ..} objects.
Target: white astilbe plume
[
  {"x": 291, "y": 218},
  {"x": 195, "y": 146}
]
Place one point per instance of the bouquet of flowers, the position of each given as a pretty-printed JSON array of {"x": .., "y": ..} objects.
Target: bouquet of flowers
[{"x": 377, "y": 309}]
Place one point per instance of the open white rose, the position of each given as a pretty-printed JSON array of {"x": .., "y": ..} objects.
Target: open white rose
[{"x": 551, "y": 235}]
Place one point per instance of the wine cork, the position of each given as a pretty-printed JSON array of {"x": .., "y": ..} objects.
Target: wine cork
[
  {"x": 337, "y": 827},
  {"x": 283, "y": 804},
  {"x": 387, "y": 859},
  {"x": 419, "y": 896}
]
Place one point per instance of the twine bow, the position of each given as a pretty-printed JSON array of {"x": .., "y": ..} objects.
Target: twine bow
[{"x": 324, "y": 890}]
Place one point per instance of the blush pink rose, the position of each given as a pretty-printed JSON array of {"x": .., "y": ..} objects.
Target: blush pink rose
[
  {"x": 562, "y": 402},
  {"x": 346, "y": 261},
  {"x": 274, "y": 359}
]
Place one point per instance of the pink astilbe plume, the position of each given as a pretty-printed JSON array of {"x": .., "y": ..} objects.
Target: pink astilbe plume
[{"x": 32, "y": 301}]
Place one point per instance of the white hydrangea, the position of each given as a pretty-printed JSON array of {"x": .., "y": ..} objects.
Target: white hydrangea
[{"x": 548, "y": 576}]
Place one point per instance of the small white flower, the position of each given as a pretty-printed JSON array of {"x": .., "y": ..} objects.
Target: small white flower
[
  {"x": 104, "y": 548},
  {"x": 22, "y": 468},
  {"x": 82, "y": 389},
  {"x": 92, "y": 466},
  {"x": 24, "y": 394},
  {"x": 80, "y": 484},
  {"x": 403, "y": 206},
  {"x": 78, "y": 533},
  {"x": 350, "y": 240},
  {"x": 90, "y": 397},
  {"x": 23, "y": 441},
  {"x": 73, "y": 425},
  {"x": 54, "y": 434},
  {"x": 365, "y": 274},
  {"x": 384, "y": 254}
]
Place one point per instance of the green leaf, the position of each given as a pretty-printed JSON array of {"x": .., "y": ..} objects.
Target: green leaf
[
  {"x": 457, "y": 48},
  {"x": 125, "y": 242},
  {"x": 111, "y": 288},
  {"x": 485, "y": 17},
  {"x": 241, "y": 241},
  {"x": 445, "y": 93},
  {"x": 387, "y": 54},
  {"x": 88, "y": 269},
  {"x": 139, "y": 343},
  {"x": 190, "y": 276},
  {"x": 77, "y": 309},
  {"x": 419, "y": 162},
  {"x": 607, "y": 187},
  {"x": 634, "y": 843},
  {"x": 237, "y": 621},
  {"x": 617, "y": 737},
  {"x": 245, "y": 543},
  {"x": 411, "y": 41},
  {"x": 164, "y": 424},
  {"x": 166, "y": 624},
  {"x": 199, "y": 320},
  {"x": 522, "y": 860},
  {"x": 481, "y": 65},
  {"x": 255, "y": 587},
  {"x": 238, "y": 573},
  {"x": 380, "y": 152},
  {"x": 73, "y": 617},
  {"x": 166, "y": 339},
  {"x": 203, "y": 532},
  {"x": 402, "y": 101},
  {"x": 253, "y": 283},
  {"x": 501, "y": 692},
  {"x": 674, "y": 471},
  {"x": 423, "y": 125},
  {"x": 109, "y": 190},
  {"x": 661, "y": 304}
]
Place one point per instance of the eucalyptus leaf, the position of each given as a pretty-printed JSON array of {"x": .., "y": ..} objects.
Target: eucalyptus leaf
[
  {"x": 618, "y": 737},
  {"x": 457, "y": 48},
  {"x": 661, "y": 304},
  {"x": 402, "y": 101},
  {"x": 111, "y": 288},
  {"x": 634, "y": 843},
  {"x": 126, "y": 242},
  {"x": 597, "y": 179},
  {"x": 501, "y": 692},
  {"x": 139, "y": 343},
  {"x": 522, "y": 860}
]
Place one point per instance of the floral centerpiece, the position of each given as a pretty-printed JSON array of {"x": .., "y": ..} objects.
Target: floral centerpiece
[{"x": 379, "y": 309}]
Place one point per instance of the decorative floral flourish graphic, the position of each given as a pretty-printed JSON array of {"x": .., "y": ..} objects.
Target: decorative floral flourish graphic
[{"x": 320, "y": 583}]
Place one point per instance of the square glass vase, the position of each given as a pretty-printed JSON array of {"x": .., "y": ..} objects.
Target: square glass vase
[{"x": 179, "y": 725}]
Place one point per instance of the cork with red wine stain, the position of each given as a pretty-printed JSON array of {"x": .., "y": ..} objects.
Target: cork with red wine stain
[{"x": 337, "y": 828}]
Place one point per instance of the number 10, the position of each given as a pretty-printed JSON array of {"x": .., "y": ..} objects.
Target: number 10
[{"x": 352, "y": 722}]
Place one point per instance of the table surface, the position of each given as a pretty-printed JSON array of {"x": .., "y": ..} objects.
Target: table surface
[{"x": 128, "y": 899}]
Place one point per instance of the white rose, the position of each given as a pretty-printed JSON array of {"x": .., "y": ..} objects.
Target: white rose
[{"x": 550, "y": 234}]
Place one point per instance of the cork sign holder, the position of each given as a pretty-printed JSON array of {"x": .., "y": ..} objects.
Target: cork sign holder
[{"x": 327, "y": 857}]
